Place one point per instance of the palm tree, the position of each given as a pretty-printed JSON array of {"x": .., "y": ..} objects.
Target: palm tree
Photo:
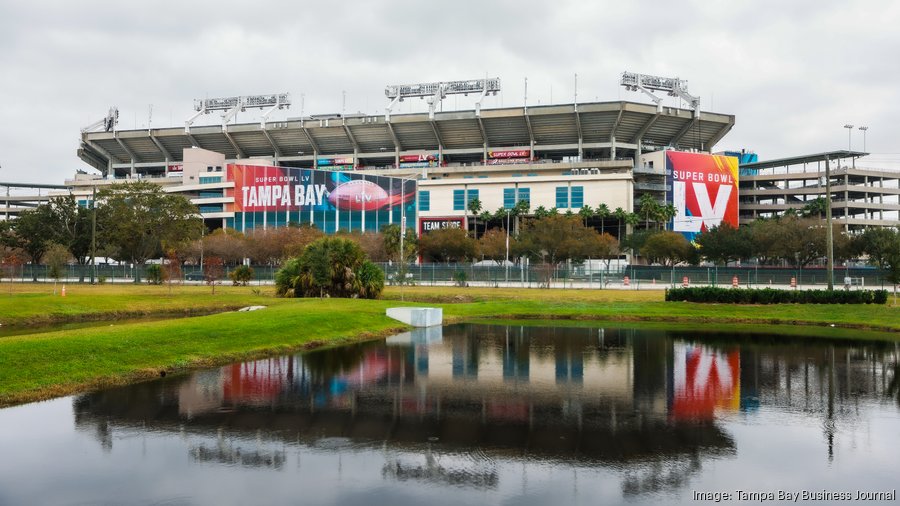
[
  {"x": 474, "y": 207},
  {"x": 667, "y": 213},
  {"x": 649, "y": 207},
  {"x": 586, "y": 212},
  {"x": 620, "y": 215},
  {"x": 602, "y": 212}
]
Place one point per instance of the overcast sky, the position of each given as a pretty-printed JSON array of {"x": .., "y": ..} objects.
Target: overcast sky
[{"x": 792, "y": 72}]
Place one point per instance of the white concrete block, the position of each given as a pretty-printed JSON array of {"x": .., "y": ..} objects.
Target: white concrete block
[{"x": 417, "y": 316}]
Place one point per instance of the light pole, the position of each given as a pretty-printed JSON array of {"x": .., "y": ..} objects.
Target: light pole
[
  {"x": 403, "y": 229},
  {"x": 864, "y": 128},
  {"x": 829, "y": 234},
  {"x": 849, "y": 128},
  {"x": 506, "y": 264}
]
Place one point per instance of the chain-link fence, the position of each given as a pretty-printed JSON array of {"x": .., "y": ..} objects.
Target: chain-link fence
[{"x": 526, "y": 276}]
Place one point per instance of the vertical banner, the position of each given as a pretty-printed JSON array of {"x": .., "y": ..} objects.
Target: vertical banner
[
  {"x": 266, "y": 196},
  {"x": 704, "y": 191}
]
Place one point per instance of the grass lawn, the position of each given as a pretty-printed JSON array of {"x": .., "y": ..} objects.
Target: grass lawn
[{"x": 46, "y": 364}]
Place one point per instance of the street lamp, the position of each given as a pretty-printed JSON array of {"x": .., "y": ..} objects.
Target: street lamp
[
  {"x": 864, "y": 128},
  {"x": 506, "y": 264},
  {"x": 849, "y": 128}
]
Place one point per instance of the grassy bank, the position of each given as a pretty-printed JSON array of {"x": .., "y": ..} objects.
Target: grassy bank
[
  {"x": 46, "y": 364},
  {"x": 27, "y": 304}
]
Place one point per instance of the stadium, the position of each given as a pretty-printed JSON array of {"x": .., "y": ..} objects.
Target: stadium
[{"x": 357, "y": 172}]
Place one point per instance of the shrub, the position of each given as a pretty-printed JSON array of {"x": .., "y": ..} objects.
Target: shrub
[
  {"x": 241, "y": 275},
  {"x": 708, "y": 294},
  {"x": 154, "y": 274},
  {"x": 332, "y": 267},
  {"x": 371, "y": 280},
  {"x": 460, "y": 278}
]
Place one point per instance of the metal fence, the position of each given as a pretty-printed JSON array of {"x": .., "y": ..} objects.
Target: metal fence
[{"x": 526, "y": 276}]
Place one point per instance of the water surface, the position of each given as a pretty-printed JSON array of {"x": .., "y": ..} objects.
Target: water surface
[{"x": 477, "y": 414}]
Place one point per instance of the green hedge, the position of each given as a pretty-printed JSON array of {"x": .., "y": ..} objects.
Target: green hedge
[{"x": 771, "y": 296}]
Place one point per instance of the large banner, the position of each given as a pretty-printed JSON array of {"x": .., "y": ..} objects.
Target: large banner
[
  {"x": 267, "y": 196},
  {"x": 704, "y": 191}
]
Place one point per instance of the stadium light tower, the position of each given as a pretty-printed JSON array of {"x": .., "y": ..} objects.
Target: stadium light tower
[
  {"x": 673, "y": 86},
  {"x": 234, "y": 105},
  {"x": 108, "y": 123},
  {"x": 864, "y": 128},
  {"x": 435, "y": 92},
  {"x": 849, "y": 128}
]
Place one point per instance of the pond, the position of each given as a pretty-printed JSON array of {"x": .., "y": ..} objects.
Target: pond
[{"x": 480, "y": 414}]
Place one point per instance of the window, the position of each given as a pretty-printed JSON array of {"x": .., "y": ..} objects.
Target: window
[
  {"x": 473, "y": 194},
  {"x": 577, "y": 197},
  {"x": 210, "y": 179},
  {"x": 424, "y": 200},
  {"x": 525, "y": 194},
  {"x": 459, "y": 200},
  {"x": 211, "y": 194},
  {"x": 509, "y": 198},
  {"x": 562, "y": 197}
]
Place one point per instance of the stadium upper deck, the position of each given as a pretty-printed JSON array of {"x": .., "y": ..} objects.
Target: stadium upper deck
[{"x": 600, "y": 130}]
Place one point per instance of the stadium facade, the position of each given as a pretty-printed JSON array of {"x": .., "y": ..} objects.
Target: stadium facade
[
  {"x": 555, "y": 156},
  {"x": 360, "y": 172}
]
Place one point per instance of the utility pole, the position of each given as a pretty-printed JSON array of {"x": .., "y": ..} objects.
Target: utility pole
[
  {"x": 829, "y": 236},
  {"x": 93, "y": 233}
]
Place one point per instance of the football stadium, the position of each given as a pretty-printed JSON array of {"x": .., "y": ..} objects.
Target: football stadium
[{"x": 358, "y": 172}]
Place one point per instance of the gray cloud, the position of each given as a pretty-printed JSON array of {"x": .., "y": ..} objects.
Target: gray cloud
[{"x": 792, "y": 72}]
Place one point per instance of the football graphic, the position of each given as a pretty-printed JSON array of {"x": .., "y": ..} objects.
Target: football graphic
[{"x": 359, "y": 195}]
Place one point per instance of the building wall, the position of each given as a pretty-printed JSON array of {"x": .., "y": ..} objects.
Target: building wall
[{"x": 614, "y": 190}]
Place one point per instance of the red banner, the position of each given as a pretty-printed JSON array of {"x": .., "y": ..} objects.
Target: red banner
[{"x": 515, "y": 153}]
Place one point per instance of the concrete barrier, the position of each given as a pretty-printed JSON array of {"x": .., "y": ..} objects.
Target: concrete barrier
[{"x": 417, "y": 316}]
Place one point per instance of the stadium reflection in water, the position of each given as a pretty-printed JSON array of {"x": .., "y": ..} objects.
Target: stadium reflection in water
[{"x": 474, "y": 414}]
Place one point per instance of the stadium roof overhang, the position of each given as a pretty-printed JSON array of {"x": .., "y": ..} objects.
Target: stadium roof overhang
[{"x": 588, "y": 128}]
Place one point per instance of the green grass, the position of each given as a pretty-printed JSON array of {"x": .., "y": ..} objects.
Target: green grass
[
  {"x": 34, "y": 304},
  {"x": 39, "y": 365}
]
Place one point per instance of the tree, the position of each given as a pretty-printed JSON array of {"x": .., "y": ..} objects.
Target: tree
[
  {"x": 606, "y": 247},
  {"x": 492, "y": 245},
  {"x": 649, "y": 209},
  {"x": 725, "y": 244},
  {"x": 241, "y": 275},
  {"x": 213, "y": 270},
  {"x": 227, "y": 244},
  {"x": 667, "y": 213},
  {"x": 883, "y": 247},
  {"x": 554, "y": 239},
  {"x": 620, "y": 215},
  {"x": 586, "y": 213},
  {"x": 139, "y": 221},
  {"x": 71, "y": 225},
  {"x": 391, "y": 237},
  {"x": 814, "y": 208},
  {"x": 474, "y": 207},
  {"x": 333, "y": 267},
  {"x": 33, "y": 234},
  {"x": 56, "y": 258},
  {"x": 796, "y": 240},
  {"x": 172, "y": 269},
  {"x": 667, "y": 248},
  {"x": 11, "y": 266},
  {"x": 447, "y": 245},
  {"x": 602, "y": 212}
]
